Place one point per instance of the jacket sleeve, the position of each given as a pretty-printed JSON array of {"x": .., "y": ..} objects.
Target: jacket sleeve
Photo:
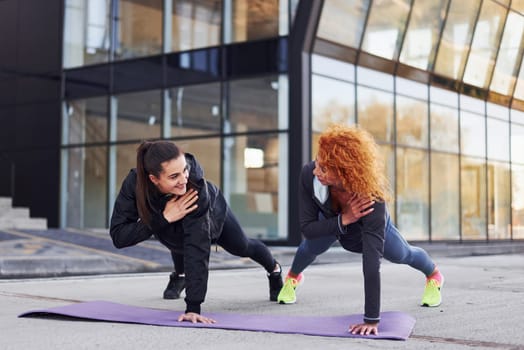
[
  {"x": 373, "y": 230},
  {"x": 126, "y": 229},
  {"x": 197, "y": 246},
  {"x": 310, "y": 224}
]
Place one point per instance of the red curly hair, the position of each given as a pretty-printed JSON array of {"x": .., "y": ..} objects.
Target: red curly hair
[{"x": 351, "y": 153}]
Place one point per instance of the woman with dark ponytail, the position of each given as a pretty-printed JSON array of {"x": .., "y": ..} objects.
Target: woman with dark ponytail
[{"x": 167, "y": 196}]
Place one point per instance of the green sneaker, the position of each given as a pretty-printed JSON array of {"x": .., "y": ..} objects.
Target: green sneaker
[
  {"x": 432, "y": 296},
  {"x": 287, "y": 294}
]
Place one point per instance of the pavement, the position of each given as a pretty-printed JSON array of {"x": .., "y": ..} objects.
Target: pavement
[{"x": 483, "y": 305}]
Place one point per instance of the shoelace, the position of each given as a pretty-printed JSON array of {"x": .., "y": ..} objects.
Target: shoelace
[{"x": 433, "y": 282}]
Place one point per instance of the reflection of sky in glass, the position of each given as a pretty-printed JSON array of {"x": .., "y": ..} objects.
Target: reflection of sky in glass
[
  {"x": 506, "y": 67},
  {"x": 485, "y": 42},
  {"x": 97, "y": 32},
  {"x": 385, "y": 28},
  {"x": 455, "y": 38},
  {"x": 517, "y": 144},
  {"x": 498, "y": 139},
  {"x": 426, "y": 19},
  {"x": 333, "y": 101},
  {"x": 333, "y": 68},
  {"x": 518, "y": 191},
  {"x": 472, "y": 134},
  {"x": 519, "y": 88},
  {"x": 342, "y": 21}
]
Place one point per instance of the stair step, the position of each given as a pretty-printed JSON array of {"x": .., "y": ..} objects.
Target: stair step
[
  {"x": 19, "y": 217},
  {"x": 23, "y": 223}
]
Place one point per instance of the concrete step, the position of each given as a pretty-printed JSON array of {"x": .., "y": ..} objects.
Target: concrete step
[
  {"x": 14, "y": 213},
  {"x": 19, "y": 217},
  {"x": 5, "y": 203},
  {"x": 23, "y": 223}
]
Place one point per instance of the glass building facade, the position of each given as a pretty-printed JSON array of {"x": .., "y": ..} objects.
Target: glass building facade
[{"x": 439, "y": 83}]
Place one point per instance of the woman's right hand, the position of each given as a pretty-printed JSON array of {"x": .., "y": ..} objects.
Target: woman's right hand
[
  {"x": 178, "y": 207},
  {"x": 355, "y": 208}
]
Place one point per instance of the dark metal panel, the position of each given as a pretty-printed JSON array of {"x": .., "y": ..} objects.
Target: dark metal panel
[
  {"x": 193, "y": 67},
  {"x": 301, "y": 41},
  {"x": 138, "y": 74},
  {"x": 257, "y": 57},
  {"x": 87, "y": 81}
]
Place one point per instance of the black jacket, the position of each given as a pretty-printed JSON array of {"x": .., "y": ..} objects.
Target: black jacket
[
  {"x": 191, "y": 235},
  {"x": 365, "y": 236}
]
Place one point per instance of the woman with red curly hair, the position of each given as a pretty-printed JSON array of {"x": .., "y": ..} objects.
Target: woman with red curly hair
[{"x": 343, "y": 195}]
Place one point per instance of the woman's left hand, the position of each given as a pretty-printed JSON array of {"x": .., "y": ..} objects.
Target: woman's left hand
[
  {"x": 194, "y": 318},
  {"x": 364, "y": 328}
]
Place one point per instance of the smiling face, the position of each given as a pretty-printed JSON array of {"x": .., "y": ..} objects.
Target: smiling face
[{"x": 173, "y": 178}]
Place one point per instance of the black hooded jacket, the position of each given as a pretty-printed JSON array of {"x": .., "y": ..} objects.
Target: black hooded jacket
[{"x": 191, "y": 235}]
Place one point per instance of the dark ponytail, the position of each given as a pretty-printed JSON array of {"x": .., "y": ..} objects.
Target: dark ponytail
[{"x": 149, "y": 159}]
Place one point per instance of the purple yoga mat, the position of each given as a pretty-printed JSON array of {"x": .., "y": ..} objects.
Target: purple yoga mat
[{"x": 393, "y": 325}]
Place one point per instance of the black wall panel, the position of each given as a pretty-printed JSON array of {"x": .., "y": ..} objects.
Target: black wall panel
[{"x": 30, "y": 75}]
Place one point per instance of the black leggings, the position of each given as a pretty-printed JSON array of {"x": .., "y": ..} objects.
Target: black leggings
[{"x": 234, "y": 241}]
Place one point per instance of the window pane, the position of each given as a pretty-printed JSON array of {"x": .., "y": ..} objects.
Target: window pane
[
  {"x": 195, "y": 24},
  {"x": 254, "y": 19},
  {"x": 473, "y": 193},
  {"x": 375, "y": 113},
  {"x": 253, "y": 104},
  {"x": 444, "y": 128},
  {"x": 333, "y": 101},
  {"x": 342, "y": 21},
  {"x": 412, "y": 193},
  {"x": 497, "y": 111},
  {"x": 517, "y": 195},
  {"x": 511, "y": 47},
  {"x": 443, "y": 97},
  {"x": 423, "y": 33},
  {"x": 517, "y": 116},
  {"x": 87, "y": 187},
  {"x": 388, "y": 154},
  {"x": 518, "y": 5},
  {"x": 472, "y": 134},
  {"x": 498, "y": 139},
  {"x": 485, "y": 42},
  {"x": 472, "y": 104},
  {"x": 445, "y": 218},
  {"x": 139, "y": 116},
  {"x": 499, "y": 200},
  {"x": 385, "y": 27},
  {"x": 87, "y": 120},
  {"x": 412, "y": 122},
  {"x": 139, "y": 28},
  {"x": 195, "y": 110},
  {"x": 456, "y": 37},
  {"x": 86, "y": 32},
  {"x": 519, "y": 88},
  {"x": 517, "y": 144},
  {"x": 332, "y": 68},
  {"x": 411, "y": 88},
  {"x": 374, "y": 78},
  {"x": 251, "y": 182}
]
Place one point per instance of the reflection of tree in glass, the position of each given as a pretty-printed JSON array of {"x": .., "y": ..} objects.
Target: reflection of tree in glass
[
  {"x": 412, "y": 124},
  {"x": 376, "y": 118},
  {"x": 333, "y": 113}
]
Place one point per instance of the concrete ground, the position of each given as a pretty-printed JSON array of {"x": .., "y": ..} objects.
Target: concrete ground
[{"x": 483, "y": 298}]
